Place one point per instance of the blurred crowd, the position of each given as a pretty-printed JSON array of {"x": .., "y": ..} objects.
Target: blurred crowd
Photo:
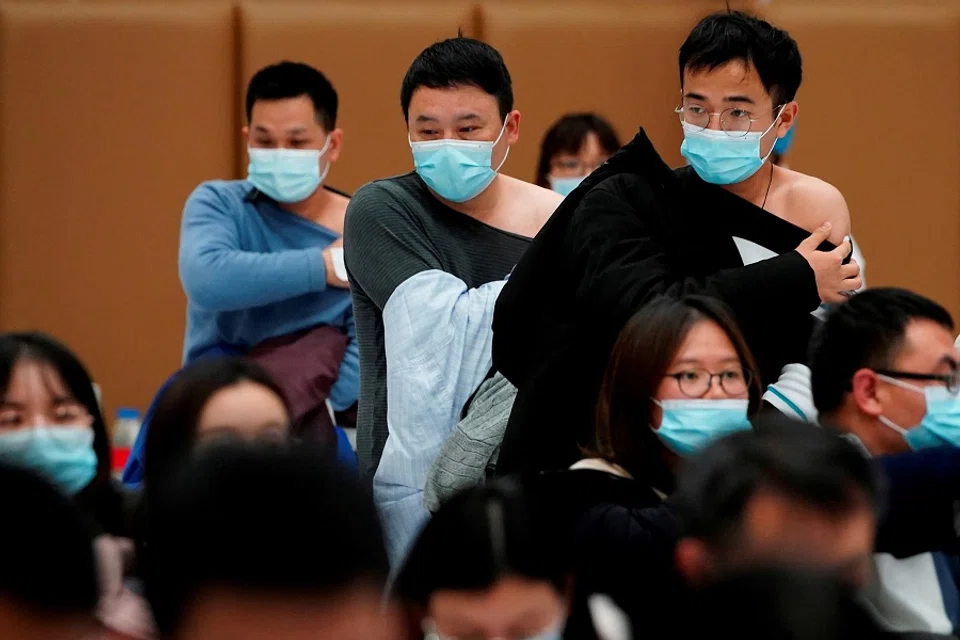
[{"x": 620, "y": 401}]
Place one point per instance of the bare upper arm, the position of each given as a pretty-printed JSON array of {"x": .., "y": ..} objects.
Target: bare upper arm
[{"x": 822, "y": 202}]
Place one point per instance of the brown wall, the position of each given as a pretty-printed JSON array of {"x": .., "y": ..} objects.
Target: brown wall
[{"x": 111, "y": 111}]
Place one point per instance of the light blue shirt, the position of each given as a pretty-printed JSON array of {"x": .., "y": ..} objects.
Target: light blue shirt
[
  {"x": 438, "y": 339},
  {"x": 253, "y": 271}
]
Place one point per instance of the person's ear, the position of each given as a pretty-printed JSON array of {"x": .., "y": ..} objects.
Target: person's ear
[
  {"x": 693, "y": 561},
  {"x": 512, "y": 130},
  {"x": 864, "y": 393},
  {"x": 335, "y": 145},
  {"x": 245, "y": 132},
  {"x": 788, "y": 118}
]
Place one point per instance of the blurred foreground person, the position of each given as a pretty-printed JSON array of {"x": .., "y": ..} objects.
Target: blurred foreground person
[
  {"x": 256, "y": 540},
  {"x": 48, "y": 576},
  {"x": 485, "y": 567},
  {"x": 764, "y": 604},
  {"x": 51, "y": 423}
]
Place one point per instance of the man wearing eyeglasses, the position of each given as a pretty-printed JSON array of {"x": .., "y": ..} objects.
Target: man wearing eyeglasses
[
  {"x": 885, "y": 372},
  {"x": 768, "y": 241}
]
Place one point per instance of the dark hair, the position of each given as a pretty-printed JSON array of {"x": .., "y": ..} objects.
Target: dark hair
[
  {"x": 734, "y": 35},
  {"x": 286, "y": 80},
  {"x": 779, "y": 603},
  {"x": 259, "y": 518},
  {"x": 478, "y": 537},
  {"x": 173, "y": 429},
  {"x": 806, "y": 463},
  {"x": 47, "y": 554},
  {"x": 865, "y": 332},
  {"x": 43, "y": 349},
  {"x": 640, "y": 359},
  {"x": 458, "y": 62},
  {"x": 568, "y": 134}
]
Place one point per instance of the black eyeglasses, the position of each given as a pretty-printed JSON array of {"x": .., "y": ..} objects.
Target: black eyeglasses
[
  {"x": 950, "y": 380},
  {"x": 696, "y": 383}
]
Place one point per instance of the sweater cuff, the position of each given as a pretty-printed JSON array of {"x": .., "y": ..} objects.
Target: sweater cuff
[{"x": 316, "y": 270}]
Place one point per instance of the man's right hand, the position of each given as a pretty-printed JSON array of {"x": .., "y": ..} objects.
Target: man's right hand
[
  {"x": 332, "y": 279},
  {"x": 834, "y": 279}
]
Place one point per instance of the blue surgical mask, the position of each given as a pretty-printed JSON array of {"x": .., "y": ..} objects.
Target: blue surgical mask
[
  {"x": 564, "y": 186},
  {"x": 63, "y": 455},
  {"x": 940, "y": 426},
  {"x": 287, "y": 175},
  {"x": 687, "y": 426},
  {"x": 457, "y": 170},
  {"x": 722, "y": 159}
]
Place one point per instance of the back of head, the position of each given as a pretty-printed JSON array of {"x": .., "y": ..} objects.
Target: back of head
[
  {"x": 459, "y": 62},
  {"x": 783, "y": 604},
  {"x": 286, "y": 80},
  {"x": 731, "y": 36},
  {"x": 47, "y": 564},
  {"x": 807, "y": 464},
  {"x": 864, "y": 332},
  {"x": 481, "y": 535},
  {"x": 259, "y": 519}
]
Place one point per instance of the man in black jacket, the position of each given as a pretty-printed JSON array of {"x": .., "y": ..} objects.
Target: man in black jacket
[{"x": 763, "y": 239}]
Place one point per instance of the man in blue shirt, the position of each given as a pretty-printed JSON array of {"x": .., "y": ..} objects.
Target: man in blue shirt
[{"x": 262, "y": 257}]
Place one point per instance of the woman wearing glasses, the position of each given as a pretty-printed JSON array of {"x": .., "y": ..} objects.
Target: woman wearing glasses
[{"x": 680, "y": 375}]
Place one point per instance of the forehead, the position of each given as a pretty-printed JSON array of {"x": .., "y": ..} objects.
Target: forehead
[
  {"x": 925, "y": 343},
  {"x": 589, "y": 148},
  {"x": 452, "y": 102},
  {"x": 736, "y": 78},
  {"x": 30, "y": 379},
  {"x": 284, "y": 112},
  {"x": 511, "y": 598},
  {"x": 706, "y": 339}
]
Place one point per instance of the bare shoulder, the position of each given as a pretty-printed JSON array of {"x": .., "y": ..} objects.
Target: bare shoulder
[
  {"x": 816, "y": 201},
  {"x": 543, "y": 202}
]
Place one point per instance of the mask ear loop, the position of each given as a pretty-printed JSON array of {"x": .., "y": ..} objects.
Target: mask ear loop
[
  {"x": 772, "y": 124},
  {"x": 887, "y": 422},
  {"x": 323, "y": 152},
  {"x": 505, "y": 155}
]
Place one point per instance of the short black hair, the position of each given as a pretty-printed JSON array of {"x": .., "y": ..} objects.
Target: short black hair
[
  {"x": 734, "y": 35},
  {"x": 458, "y": 62},
  {"x": 864, "y": 332},
  {"x": 568, "y": 134},
  {"x": 47, "y": 562},
  {"x": 261, "y": 518},
  {"x": 291, "y": 80},
  {"x": 806, "y": 463},
  {"x": 478, "y": 537}
]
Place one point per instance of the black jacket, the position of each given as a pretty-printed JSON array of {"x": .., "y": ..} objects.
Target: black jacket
[{"x": 634, "y": 229}]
